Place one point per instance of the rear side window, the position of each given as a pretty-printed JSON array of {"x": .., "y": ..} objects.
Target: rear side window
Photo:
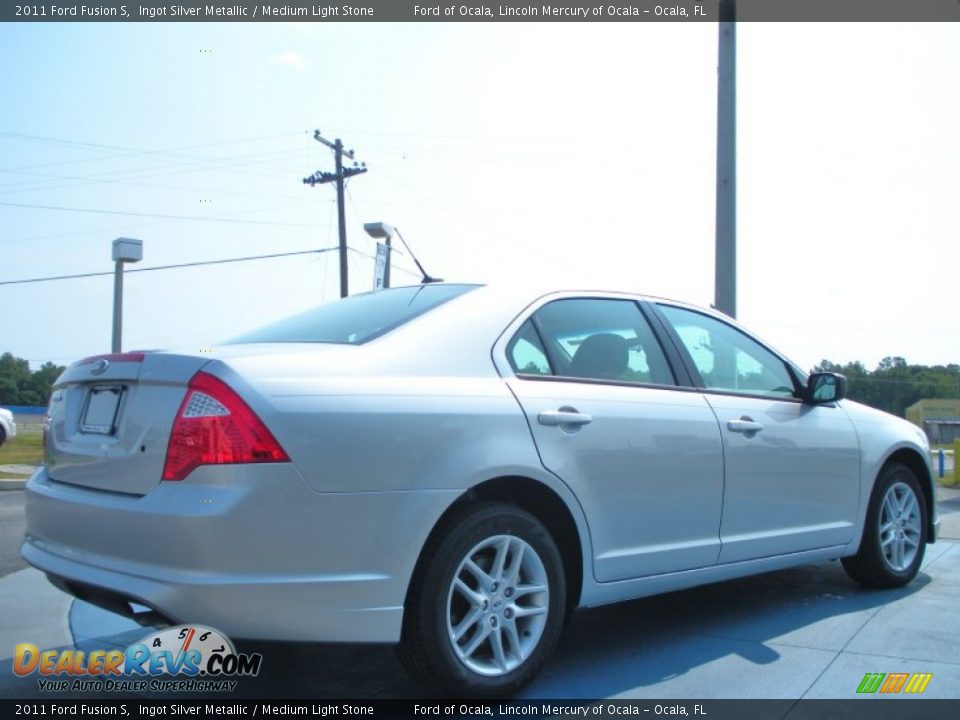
[
  {"x": 592, "y": 339},
  {"x": 526, "y": 353},
  {"x": 358, "y": 318}
]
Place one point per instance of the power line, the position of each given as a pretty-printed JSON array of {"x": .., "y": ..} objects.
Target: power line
[
  {"x": 395, "y": 267},
  {"x": 126, "y": 151},
  {"x": 127, "y": 182},
  {"x": 140, "y": 225},
  {"x": 155, "y": 215},
  {"x": 353, "y": 205},
  {"x": 181, "y": 165},
  {"x": 393, "y": 251},
  {"x": 169, "y": 267}
]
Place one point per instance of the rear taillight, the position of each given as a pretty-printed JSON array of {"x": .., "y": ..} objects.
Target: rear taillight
[{"x": 214, "y": 426}]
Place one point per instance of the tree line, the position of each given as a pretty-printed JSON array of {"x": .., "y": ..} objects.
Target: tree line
[
  {"x": 19, "y": 385},
  {"x": 895, "y": 385}
]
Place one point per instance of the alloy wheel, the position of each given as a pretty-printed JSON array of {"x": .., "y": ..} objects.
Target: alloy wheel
[
  {"x": 497, "y": 605},
  {"x": 900, "y": 529}
]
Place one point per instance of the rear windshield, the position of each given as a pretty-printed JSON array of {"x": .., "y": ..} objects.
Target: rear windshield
[{"x": 358, "y": 318}]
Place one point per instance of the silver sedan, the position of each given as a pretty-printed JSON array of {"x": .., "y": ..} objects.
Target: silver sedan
[{"x": 456, "y": 468}]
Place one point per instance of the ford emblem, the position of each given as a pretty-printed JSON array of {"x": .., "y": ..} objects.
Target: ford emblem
[{"x": 100, "y": 366}]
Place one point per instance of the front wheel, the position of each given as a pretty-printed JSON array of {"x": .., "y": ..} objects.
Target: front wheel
[
  {"x": 487, "y": 604},
  {"x": 895, "y": 531}
]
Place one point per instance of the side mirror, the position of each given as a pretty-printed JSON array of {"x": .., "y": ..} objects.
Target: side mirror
[{"x": 825, "y": 387}]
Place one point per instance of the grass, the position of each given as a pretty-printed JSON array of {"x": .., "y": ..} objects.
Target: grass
[{"x": 24, "y": 449}]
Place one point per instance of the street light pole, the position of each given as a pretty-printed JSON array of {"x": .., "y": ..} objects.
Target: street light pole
[
  {"x": 378, "y": 230},
  {"x": 124, "y": 250},
  {"x": 117, "y": 305},
  {"x": 386, "y": 266},
  {"x": 725, "y": 262}
]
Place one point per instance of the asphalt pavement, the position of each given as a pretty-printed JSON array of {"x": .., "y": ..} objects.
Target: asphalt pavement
[{"x": 12, "y": 525}]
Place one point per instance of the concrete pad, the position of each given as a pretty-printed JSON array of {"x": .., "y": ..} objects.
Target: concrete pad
[
  {"x": 815, "y": 606},
  {"x": 682, "y": 667},
  {"x": 949, "y": 513},
  {"x": 806, "y": 632},
  {"x": 34, "y": 611},
  {"x": 926, "y": 627},
  {"x": 933, "y": 552},
  {"x": 88, "y": 622},
  {"x": 842, "y": 678}
]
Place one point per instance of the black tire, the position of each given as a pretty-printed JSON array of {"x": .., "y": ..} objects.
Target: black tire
[
  {"x": 435, "y": 609},
  {"x": 874, "y": 567},
  {"x": 3, "y": 436}
]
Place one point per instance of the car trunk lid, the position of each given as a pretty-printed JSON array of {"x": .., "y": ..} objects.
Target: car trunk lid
[{"x": 110, "y": 418}]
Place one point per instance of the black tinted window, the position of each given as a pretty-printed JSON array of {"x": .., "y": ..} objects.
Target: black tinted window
[{"x": 358, "y": 318}]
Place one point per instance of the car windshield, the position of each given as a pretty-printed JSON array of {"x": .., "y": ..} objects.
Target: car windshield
[{"x": 358, "y": 318}]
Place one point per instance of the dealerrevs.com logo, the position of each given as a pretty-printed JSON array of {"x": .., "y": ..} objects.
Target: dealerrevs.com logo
[{"x": 186, "y": 658}]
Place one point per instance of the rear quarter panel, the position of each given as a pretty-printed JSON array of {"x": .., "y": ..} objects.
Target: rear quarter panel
[{"x": 416, "y": 410}]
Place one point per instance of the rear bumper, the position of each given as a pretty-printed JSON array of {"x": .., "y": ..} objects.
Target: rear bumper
[
  {"x": 250, "y": 550},
  {"x": 318, "y": 609}
]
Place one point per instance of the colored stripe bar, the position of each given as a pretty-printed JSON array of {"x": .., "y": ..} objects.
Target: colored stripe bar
[
  {"x": 870, "y": 682},
  {"x": 894, "y": 683},
  {"x": 918, "y": 682}
]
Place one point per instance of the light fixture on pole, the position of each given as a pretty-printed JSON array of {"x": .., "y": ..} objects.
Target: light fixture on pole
[
  {"x": 381, "y": 229},
  {"x": 125, "y": 250},
  {"x": 381, "y": 274}
]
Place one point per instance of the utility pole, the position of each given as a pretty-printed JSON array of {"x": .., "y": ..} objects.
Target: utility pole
[
  {"x": 341, "y": 174},
  {"x": 725, "y": 263}
]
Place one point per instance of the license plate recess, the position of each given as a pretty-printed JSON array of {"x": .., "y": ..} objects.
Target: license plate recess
[{"x": 100, "y": 409}]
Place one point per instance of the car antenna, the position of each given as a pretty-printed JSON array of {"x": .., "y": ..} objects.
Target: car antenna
[{"x": 427, "y": 278}]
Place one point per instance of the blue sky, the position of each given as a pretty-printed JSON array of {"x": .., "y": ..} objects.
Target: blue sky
[{"x": 579, "y": 152}]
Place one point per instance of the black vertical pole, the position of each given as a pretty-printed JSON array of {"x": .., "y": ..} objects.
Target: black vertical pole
[
  {"x": 341, "y": 218},
  {"x": 319, "y": 178}
]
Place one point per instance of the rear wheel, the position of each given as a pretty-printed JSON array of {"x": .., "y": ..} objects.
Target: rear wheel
[
  {"x": 487, "y": 604},
  {"x": 895, "y": 532}
]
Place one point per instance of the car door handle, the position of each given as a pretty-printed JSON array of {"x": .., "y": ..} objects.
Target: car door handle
[
  {"x": 745, "y": 425},
  {"x": 563, "y": 416}
]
